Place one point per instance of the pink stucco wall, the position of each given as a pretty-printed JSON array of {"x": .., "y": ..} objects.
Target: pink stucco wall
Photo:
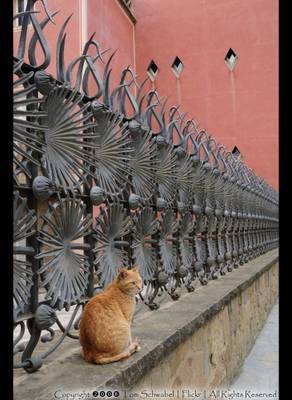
[{"x": 240, "y": 107}]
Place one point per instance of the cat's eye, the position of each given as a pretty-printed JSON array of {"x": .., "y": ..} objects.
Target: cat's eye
[{"x": 134, "y": 283}]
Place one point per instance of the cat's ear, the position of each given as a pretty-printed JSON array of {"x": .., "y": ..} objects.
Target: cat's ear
[
  {"x": 136, "y": 268},
  {"x": 123, "y": 274}
]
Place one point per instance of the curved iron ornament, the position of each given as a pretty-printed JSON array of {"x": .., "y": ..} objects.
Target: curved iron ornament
[
  {"x": 37, "y": 37},
  {"x": 167, "y": 241},
  {"x": 64, "y": 269},
  {"x": 24, "y": 221},
  {"x": 44, "y": 318},
  {"x": 166, "y": 176},
  {"x": 183, "y": 162},
  {"x": 26, "y": 123},
  {"x": 186, "y": 240},
  {"x": 67, "y": 151},
  {"x": 84, "y": 73},
  {"x": 145, "y": 226},
  {"x": 112, "y": 226},
  {"x": 184, "y": 171},
  {"x": 187, "y": 272},
  {"x": 143, "y": 164},
  {"x": 112, "y": 152}
]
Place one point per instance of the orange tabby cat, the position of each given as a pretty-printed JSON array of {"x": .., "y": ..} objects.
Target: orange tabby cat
[{"x": 105, "y": 331}]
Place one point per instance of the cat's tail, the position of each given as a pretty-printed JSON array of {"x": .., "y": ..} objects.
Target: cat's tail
[
  {"x": 107, "y": 359},
  {"x": 103, "y": 358},
  {"x": 87, "y": 355}
]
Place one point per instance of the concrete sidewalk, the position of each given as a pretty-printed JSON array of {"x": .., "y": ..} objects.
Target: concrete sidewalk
[{"x": 260, "y": 369}]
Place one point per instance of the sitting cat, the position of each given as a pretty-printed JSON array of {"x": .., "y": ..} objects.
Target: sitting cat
[{"x": 105, "y": 331}]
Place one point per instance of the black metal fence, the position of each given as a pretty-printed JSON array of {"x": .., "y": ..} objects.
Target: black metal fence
[{"x": 168, "y": 197}]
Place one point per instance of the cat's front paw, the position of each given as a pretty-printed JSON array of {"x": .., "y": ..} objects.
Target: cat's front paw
[
  {"x": 136, "y": 346},
  {"x": 136, "y": 340}
]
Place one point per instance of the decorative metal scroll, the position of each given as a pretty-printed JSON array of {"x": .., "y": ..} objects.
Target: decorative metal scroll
[
  {"x": 68, "y": 140},
  {"x": 26, "y": 123},
  {"x": 186, "y": 249},
  {"x": 64, "y": 269},
  {"x": 112, "y": 226},
  {"x": 167, "y": 241},
  {"x": 166, "y": 171},
  {"x": 186, "y": 240},
  {"x": 23, "y": 227},
  {"x": 165, "y": 194},
  {"x": 112, "y": 154},
  {"x": 144, "y": 242},
  {"x": 143, "y": 164},
  {"x": 183, "y": 162}
]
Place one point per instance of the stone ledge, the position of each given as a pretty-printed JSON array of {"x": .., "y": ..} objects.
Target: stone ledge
[{"x": 160, "y": 332}]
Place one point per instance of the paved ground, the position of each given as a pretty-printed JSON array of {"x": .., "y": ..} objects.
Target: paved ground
[{"x": 260, "y": 369}]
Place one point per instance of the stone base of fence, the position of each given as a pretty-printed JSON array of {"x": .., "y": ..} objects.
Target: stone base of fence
[{"x": 197, "y": 342}]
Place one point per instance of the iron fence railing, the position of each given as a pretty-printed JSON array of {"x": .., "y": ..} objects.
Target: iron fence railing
[
  {"x": 129, "y": 4},
  {"x": 167, "y": 196}
]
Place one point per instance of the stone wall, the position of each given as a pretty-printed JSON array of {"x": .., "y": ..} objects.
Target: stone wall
[{"x": 213, "y": 355}]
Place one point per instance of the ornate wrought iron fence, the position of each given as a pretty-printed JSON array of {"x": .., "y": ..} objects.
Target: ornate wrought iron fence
[{"x": 170, "y": 198}]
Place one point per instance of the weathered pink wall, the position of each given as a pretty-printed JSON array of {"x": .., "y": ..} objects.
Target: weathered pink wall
[{"x": 240, "y": 107}]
